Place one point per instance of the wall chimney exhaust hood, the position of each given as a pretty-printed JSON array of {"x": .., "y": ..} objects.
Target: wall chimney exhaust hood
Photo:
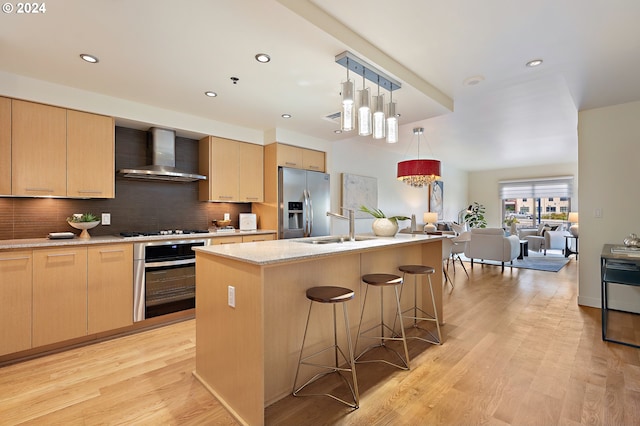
[{"x": 162, "y": 145}]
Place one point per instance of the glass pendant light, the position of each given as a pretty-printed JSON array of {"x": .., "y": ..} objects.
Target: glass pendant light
[
  {"x": 364, "y": 111},
  {"x": 378, "y": 115},
  {"x": 347, "y": 119},
  {"x": 392, "y": 121}
]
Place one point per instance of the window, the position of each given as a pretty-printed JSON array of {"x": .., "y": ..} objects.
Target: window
[{"x": 537, "y": 200}]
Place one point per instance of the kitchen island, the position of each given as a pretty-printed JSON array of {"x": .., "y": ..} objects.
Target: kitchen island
[{"x": 246, "y": 354}]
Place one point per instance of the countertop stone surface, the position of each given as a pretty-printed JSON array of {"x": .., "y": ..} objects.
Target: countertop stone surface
[
  {"x": 281, "y": 251},
  {"x": 30, "y": 243}
]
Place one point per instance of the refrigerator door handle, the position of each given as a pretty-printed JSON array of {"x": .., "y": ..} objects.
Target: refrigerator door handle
[
  {"x": 310, "y": 213},
  {"x": 306, "y": 213}
]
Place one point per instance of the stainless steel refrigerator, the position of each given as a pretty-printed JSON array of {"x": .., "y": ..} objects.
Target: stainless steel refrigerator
[{"x": 304, "y": 201}]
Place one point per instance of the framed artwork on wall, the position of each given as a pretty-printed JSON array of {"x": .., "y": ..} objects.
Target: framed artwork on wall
[
  {"x": 436, "y": 199},
  {"x": 359, "y": 191}
]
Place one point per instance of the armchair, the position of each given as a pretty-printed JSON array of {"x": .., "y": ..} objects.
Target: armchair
[
  {"x": 492, "y": 244},
  {"x": 542, "y": 239}
]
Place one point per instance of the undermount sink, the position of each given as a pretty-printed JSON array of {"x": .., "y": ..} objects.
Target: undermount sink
[{"x": 334, "y": 240}]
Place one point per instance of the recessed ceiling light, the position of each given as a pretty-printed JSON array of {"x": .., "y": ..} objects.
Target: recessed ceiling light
[
  {"x": 89, "y": 58},
  {"x": 337, "y": 131},
  {"x": 472, "y": 81},
  {"x": 534, "y": 63},
  {"x": 263, "y": 58},
  {"x": 286, "y": 115},
  {"x": 210, "y": 94}
]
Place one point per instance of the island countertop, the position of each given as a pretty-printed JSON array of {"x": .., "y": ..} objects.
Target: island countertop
[{"x": 296, "y": 249}]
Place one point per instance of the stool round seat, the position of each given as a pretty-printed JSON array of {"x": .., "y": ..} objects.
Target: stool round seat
[
  {"x": 329, "y": 294},
  {"x": 382, "y": 279},
  {"x": 417, "y": 269}
]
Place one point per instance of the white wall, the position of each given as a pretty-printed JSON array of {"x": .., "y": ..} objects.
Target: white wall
[
  {"x": 609, "y": 158},
  {"x": 483, "y": 186},
  {"x": 363, "y": 156}
]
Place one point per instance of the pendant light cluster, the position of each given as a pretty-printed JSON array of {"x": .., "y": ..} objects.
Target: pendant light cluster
[
  {"x": 419, "y": 173},
  {"x": 368, "y": 114}
]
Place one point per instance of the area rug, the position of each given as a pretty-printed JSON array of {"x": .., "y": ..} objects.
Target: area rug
[{"x": 535, "y": 261}]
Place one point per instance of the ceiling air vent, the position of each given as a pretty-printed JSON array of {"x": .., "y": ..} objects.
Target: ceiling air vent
[{"x": 335, "y": 117}]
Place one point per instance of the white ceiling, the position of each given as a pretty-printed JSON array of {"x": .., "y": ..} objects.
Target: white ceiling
[{"x": 166, "y": 54}]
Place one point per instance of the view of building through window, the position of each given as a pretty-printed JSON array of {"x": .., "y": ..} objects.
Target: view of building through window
[{"x": 532, "y": 211}]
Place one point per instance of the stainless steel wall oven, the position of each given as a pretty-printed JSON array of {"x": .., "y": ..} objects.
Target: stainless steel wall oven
[{"x": 164, "y": 277}]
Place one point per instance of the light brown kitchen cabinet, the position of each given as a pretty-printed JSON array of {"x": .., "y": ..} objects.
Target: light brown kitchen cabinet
[
  {"x": 109, "y": 287},
  {"x": 15, "y": 294},
  {"x": 231, "y": 239},
  {"x": 251, "y": 172},
  {"x": 258, "y": 237},
  {"x": 59, "y": 294},
  {"x": 38, "y": 149},
  {"x": 233, "y": 170},
  {"x": 313, "y": 160},
  {"x": 298, "y": 158},
  {"x": 289, "y": 156},
  {"x": 90, "y": 155},
  {"x": 5, "y": 146}
]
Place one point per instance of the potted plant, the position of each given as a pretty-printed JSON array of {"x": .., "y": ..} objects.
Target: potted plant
[
  {"x": 84, "y": 221},
  {"x": 383, "y": 226},
  {"x": 511, "y": 221},
  {"x": 475, "y": 216}
]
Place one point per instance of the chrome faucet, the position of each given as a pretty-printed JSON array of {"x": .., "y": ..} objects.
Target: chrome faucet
[{"x": 351, "y": 218}]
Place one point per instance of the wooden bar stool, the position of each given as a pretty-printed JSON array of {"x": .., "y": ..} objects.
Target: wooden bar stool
[
  {"x": 383, "y": 280},
  {"x": 416, "y": 270},
  {"x": 333, "y": 295}
]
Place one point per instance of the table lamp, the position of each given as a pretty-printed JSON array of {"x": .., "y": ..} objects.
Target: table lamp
[
  {"x": 430, "y": 218},
  {"x": 573, "y": 218}
]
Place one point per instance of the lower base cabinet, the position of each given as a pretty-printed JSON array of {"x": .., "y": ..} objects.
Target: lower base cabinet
[
  {"x": 59, "y": 295},
  {"x": 15, "y": 299},
  {"x": 110, "y": 287}
]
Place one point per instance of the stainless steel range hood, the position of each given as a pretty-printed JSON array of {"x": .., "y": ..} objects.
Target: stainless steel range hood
[{"x": 162, "y": 146}]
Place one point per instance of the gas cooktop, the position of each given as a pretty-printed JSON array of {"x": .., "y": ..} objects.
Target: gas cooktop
[{"x": 164, "y": 232}]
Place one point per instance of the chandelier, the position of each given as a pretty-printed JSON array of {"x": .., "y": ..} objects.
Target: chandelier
[
  {"x": 378, "y": 123},
  {"x": 418, "y": 173}
]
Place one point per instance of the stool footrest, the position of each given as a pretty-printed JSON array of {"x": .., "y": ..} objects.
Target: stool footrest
[{"x": 402, "y": 366}]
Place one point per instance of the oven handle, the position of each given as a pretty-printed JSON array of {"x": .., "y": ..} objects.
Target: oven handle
[{"x": 169, "y": 263}]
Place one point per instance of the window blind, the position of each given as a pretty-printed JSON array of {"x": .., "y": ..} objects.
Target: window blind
[{"x": 552, "y": 187}]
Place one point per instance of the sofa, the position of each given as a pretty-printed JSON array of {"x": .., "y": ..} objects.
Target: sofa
[{"x": 492, "y": 244}]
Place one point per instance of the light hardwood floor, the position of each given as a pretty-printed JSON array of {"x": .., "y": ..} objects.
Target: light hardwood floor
[{"x": 518, "y": 350}]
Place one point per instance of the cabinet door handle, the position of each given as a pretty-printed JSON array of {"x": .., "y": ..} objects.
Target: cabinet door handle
[
  {"x": 289, "y": 163},
  {"x": 89, "y": 191},
  {"x": 251, "y": 198},
  {"x": 15, "y": 258},
  {"x": 225, "y": 197},
  {"x": 61, "y": 254},
  {"x": 314, "y": 167},
  {"x": 39, "y": 189},
  {"x": 111, "y": 251}
]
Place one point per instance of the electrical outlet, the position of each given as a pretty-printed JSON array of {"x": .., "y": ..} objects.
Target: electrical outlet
[
  {"x": 597, "y": 213},
  {"x": 106, "y": 218},
  {"x": 231, "y": 293}
]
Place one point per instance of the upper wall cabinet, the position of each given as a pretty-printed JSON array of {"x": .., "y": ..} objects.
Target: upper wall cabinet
[
  {"x": 234, "y": 171},
  {"x": 57, "y": 152},
  {"x": 299, "y": 158},
  {"x": 90, "y": 155},
  {"x": 38, "y": 149},
  {"x": 5, "y": 145}
]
